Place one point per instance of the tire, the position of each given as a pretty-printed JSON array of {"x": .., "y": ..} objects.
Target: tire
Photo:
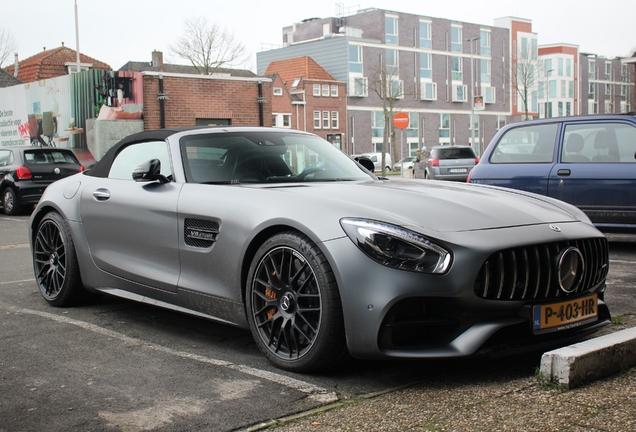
[
  {"x": 293, "y": 305},
  {"x": 10, "y": 202},
  {"x": 55, "y": 263}
]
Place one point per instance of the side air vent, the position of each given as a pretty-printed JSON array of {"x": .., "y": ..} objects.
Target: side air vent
[{"x": 200, "y": 233}]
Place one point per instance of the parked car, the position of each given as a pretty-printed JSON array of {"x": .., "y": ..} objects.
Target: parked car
[
  {"x": 448, "y": 163},
  {"x": 588, "y": 161},
  {"x": 376, "y": 158},
  {"x": 25, "y": 171},
  {"x": 277, "y": 231},
  {"x": 405, "y": 163}
]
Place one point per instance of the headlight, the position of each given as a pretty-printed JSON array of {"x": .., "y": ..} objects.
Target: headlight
[{"x": 396, "y": 247}]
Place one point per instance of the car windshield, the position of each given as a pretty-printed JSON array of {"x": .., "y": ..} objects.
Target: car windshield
[{"x": 265, "y": 157}]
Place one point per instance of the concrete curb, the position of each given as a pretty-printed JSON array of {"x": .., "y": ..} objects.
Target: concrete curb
[{"x": 595, "y": 358}]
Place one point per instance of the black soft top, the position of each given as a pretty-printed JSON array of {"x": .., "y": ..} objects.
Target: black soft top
[{"x": 102, "y": 167}]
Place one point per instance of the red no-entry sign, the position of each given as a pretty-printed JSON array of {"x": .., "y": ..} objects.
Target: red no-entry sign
[{"x": 401, "y": 120}]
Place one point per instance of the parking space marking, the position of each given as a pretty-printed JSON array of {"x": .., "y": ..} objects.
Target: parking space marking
[
  {"x": 14, "y": 246},
  {"x": 18, "y": 281},
  {"x": 313, "y": 392}
]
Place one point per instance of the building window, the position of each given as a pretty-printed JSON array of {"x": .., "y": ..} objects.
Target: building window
[
  {"x": 591, "y": 69},
  {"x": 426, "y": 70},
  {"x": 425, "y": 34},
  {"x": 608, "y": 71},
  {"x": 278, "y": 91},
  {"x": 560, "y": 66},
  {"x": 568, "y": 108},
  {"x": 568, "y": 67},
  {"x": 608, "y": 89},
  {"x": 428, "y": 91},
  {"x": 591, "y": 91},
  {"x": 325, "y": 90},
  {"x": 317, "y": 90},
  {"x": 484, "y": 42},
  {"x": 281, "y": 120},
  {"x": 624, "y": 73},
  {"x": 334, "y": 120},
  {"x": 358, "y": 86},
  {"x": 334, "y": 91},
  {"x": 392, "y": 67},
  {"x": 456, "y": 69},
  {"x": 484, "y": 66},
  {"x": 325, "y": 119},
  {"x": 501, "y": 121},
  {"x": 413, "y": 128},
  {"x": 456, "y": 39},
  {"x": 444, "y": 125},
  {"x": 316, "y": 119},
  {"x": 355, "y": 58},
  {"x": 391, "y": 30},
  {"x": 377, "y": 124}
]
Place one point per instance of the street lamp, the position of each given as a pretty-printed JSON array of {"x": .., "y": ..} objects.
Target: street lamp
[
  {"x": 472, "y": 93},
  {"x": 547, "y": 91}
]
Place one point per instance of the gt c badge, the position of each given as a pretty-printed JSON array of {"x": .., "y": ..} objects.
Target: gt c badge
[{"x": 555, "y": 228}]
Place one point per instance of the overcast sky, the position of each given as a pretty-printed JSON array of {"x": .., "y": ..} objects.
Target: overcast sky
[{"x": 118, "y": 31}]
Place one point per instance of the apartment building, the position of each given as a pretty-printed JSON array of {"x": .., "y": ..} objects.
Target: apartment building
[
  {"x": 607, "y": 85},
  {"x": 452, "y": 78}
]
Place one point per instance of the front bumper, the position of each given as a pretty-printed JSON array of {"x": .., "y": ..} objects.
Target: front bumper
[{"x": 391, "y": 313}]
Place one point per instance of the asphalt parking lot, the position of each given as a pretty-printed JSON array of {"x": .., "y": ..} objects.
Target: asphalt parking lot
[{"x": 120, "y": 366}]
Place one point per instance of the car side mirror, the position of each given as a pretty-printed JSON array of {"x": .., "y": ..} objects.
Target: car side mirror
[
  {"x": 366, "y": 163},
  {"x": 149, "y": 171}
]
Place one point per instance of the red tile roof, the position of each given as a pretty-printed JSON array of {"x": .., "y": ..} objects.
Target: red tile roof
[
  {"x": 51, "y": 63},
  {"x": 300, "y": 67}
]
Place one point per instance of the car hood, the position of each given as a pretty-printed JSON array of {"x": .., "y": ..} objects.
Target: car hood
[{"x": 435, "y": 205}]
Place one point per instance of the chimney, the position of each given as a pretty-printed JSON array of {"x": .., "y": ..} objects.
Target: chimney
[
  {"x": 157, "y": 58},
  {"x": 17, "y": 66}
]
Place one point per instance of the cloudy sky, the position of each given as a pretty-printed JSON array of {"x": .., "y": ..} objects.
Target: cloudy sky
[{"x": 118, "y": 31}]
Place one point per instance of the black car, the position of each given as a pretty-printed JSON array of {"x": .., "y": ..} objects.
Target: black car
[{"x": 25, "y": 171}]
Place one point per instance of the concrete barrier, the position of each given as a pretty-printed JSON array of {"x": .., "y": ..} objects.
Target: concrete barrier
[{"x": 586, "y": 361}]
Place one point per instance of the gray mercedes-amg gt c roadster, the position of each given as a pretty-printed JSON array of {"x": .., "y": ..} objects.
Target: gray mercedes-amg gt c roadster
[{"x": 280, "y": 232}]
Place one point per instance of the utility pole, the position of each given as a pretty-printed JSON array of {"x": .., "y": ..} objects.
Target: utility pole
[{"x": 472, "y": 92}]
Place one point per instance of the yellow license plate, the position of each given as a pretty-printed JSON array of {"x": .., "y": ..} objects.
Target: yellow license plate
[{"x": 564, "y": 315}]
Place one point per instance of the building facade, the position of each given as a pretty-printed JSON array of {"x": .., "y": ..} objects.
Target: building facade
[
  {"x": 442, "y": 73},
  {"x": 306, "y": 97}
]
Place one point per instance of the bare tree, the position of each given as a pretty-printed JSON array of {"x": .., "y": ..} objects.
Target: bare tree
[
  {"x": 7, "y": 46},
  {"x": 207, "y": 46},
  {"x": 525, "y": 72},
  {"x": 386, "y": 84}
]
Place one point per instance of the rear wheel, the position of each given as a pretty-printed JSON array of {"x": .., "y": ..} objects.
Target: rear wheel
[
  {"x": 10, "y": 202},
  {"x": 293, "y": 305},
  {"x": 55, "y": 263}
]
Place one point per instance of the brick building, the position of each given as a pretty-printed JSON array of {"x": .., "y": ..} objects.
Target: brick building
[
  {"x": 177, "y": 95},
  {"x": 307, "y": 97}
]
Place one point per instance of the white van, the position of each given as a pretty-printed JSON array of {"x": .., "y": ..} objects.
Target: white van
[{"x": 376, "y": 158}]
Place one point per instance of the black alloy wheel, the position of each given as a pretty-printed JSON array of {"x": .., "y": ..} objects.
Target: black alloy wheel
[
  {"x": 54, "y": 262},
  {"x": 294, "y": 306}
]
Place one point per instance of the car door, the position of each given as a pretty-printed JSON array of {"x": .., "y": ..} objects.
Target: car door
[
  {"x": 597, "y": 171},
  {"x": 130, "y": 226},
  {"x": 522, "y": 158}
]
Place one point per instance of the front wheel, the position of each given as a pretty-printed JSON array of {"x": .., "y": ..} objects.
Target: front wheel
[
  {"x": 293, "y": 305},
  {"x": 10, "y": 202},
  {"x": 55, "y": 263}
]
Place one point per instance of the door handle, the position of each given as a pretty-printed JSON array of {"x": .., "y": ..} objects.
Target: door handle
[
  {"x": 564, "y": 172},
  {"x": 101, "y": 194}
]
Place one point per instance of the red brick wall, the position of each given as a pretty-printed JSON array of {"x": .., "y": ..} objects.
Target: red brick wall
[{"x": 190, "y": 98}]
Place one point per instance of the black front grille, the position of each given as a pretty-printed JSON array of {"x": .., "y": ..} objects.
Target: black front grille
[
  {"x": 200, "y": 233},
  {"x": 530, "y": 273}
]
